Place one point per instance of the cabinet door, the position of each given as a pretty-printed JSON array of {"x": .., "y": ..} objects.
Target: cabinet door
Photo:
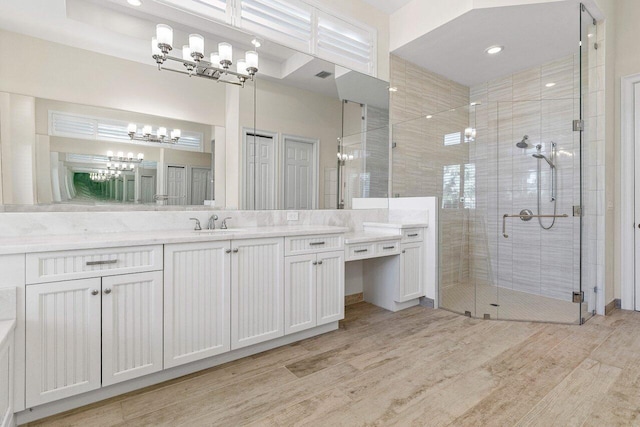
[
  {"x": 330, "y": 289},
  {"x": 6, "y": 382},
  {"x": 62, "y": 340},
  {"x": 197, "y": 303},
  {"x": 411, "y": 284},
  {"x": 257, "y": 291},
  {"x": 131, "y": 326},
  {"x": 299, "y": 293}
]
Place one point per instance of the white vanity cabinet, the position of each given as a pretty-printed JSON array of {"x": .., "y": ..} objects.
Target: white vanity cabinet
[
  {"x": 257, "y": 291},
  {"x": 87, "y": 333},
  {"x": 6, "y": 381},
  {"x": 197, "y": 311},
  {"x": 314, "y": 283},
  {"x": 411, "y": 283}
]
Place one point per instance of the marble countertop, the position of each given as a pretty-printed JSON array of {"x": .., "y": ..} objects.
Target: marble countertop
[
  {"x": 12, "y": 245},
  {"x": 367, "y": 237},
  {"x": 395, "y": 225}
]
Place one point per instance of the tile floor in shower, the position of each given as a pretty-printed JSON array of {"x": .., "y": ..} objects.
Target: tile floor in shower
[{"x": 512, "y": 305}]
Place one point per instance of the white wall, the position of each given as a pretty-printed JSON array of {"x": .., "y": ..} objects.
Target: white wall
[{"x": 52, "y": 71}]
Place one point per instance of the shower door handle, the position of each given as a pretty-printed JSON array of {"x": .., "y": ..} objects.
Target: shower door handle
[{"x": 505, "y": 216}]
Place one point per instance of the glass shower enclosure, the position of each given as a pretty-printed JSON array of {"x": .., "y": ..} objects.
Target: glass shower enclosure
[{"x": 513, "y": 166}]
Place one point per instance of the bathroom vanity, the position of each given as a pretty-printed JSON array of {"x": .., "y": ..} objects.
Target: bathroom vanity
[{"x": 103, "y": 314}]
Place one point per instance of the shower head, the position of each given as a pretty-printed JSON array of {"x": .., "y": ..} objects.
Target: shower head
[
  {"x": 523, "y": 143},
  {"x": 542, "y": 156}
]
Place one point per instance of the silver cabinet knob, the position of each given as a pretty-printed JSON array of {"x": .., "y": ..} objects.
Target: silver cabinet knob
[
  {"x": 107, "y": 291},
  {"x": 404, "y": 252},
  {"x": 315, "y": 262},
  {"x": 319, "y": 262},
  {"x": 235, "y": 251},
  {"x": 228, "y": 251},
  {"x": 95, "y": 292}
]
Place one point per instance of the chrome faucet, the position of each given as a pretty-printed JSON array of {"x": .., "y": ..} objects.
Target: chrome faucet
[
  {"x": 211, "y": 225},
  {"x": 224, "y": 223},
  {"x": 197, "y": 227}
]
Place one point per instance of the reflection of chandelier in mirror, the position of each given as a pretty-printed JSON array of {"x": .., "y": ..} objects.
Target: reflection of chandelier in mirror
[
  {"x": 121, "y": 162},
  {"x": 469, "y": 134},
  {"x": 343, "y": 158},
  {"x": 193, "y": 58},
  {"x": 147, "y": 134},
  {"x": 103, "y": 176}
]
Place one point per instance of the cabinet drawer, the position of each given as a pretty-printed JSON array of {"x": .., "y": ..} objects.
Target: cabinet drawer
[
  {"x": 387, "y": 248},
  {"x": 361, "y": 251},
  {"x": 67, "y": 265},
  {"x": 412, "y": 235},
  {"x": 311, "y": 244}
]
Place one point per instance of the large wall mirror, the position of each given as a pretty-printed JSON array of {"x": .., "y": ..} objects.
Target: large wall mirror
[{"x": 305, "y": 133}]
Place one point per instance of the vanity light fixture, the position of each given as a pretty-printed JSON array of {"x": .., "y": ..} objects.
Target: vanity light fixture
[
  {"x": 103, "y": 176},
  {"x": 147, "y": 135},
  {"x": 218, "y": 65},
  {"x": 494, "y": 50}
]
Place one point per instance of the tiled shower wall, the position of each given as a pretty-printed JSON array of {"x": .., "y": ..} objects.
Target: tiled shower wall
[
  {"x": 531, "y": 259},
  {"x": 473, "y": 250},
  {"x": 420, "y": 155}
]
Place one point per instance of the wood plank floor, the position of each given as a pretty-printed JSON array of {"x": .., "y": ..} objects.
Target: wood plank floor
[{"x": 416, "y": 367}]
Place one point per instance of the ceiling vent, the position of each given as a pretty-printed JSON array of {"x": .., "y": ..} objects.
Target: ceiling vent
[{"x": 323, "y": 74}]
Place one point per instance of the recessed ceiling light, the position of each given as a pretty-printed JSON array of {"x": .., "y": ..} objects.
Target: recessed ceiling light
[
  {"x": 135, "y": 2},
  {"x": 550, "y": 84},
  {"x": 393, "y": 89},
  {"x": 429, "y": 116},
  {"x": 492, "y": 50},
  {"x": 256, "y": 42}
]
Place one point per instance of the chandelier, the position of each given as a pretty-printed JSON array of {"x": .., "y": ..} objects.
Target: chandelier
[
  {"x": 193, "y": 58},
  {"x": 147, "y": 135},
  {"x": 104, "y": 176},
  {"x": 120, "y": 162}
]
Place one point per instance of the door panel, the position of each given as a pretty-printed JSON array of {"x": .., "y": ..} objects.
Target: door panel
[
  {"x": 131, "y": 326},
  {"x": 257, "y": 291},
  {"x": 196, "y": 308},
  {"x": 260, "y": 176},
  {"x": 62, "y": 340},
  {"x": 200, "y": 185},
  {"x": 411, "y": 273},
  {"x": 330, "y": 289},
  {"x": 299, "y": 174},
  {"x": 299, "y": 293},
  {"x": 176, "y": 185}
]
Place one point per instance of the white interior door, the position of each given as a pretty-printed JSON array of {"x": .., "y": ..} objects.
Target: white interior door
[
  {"x": 176, "y": 185},
  {"x": 636, "y": 115},
  {"x": 299, "y": 174},
  {"x": 200, "y": 188},
  {"x": 148, "y": 188},
  {"x": 260, "y": 175},
  {"x": 131, "y": 189}
]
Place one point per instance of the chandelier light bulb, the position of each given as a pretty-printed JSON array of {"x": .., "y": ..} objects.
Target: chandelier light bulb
[
  {"x": 140, "y": 156},
  {"x": 131, "y": 166},
  {"x": 251, "y": 57},
  {"x": 176, "y": 134},
  {"x": 109, "y": 153},
  {"x": 132, "y": 128},
  {"x": 225, "y": 50},
  {"x": 120, "y": 154},
  {"x": 146, "y": 130},
  {"x": 129, "y": 155},
  {"x": 196, "y": 44},
  {"x": 164, "y": 35},
  {"x": 162, "y": 132}
]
